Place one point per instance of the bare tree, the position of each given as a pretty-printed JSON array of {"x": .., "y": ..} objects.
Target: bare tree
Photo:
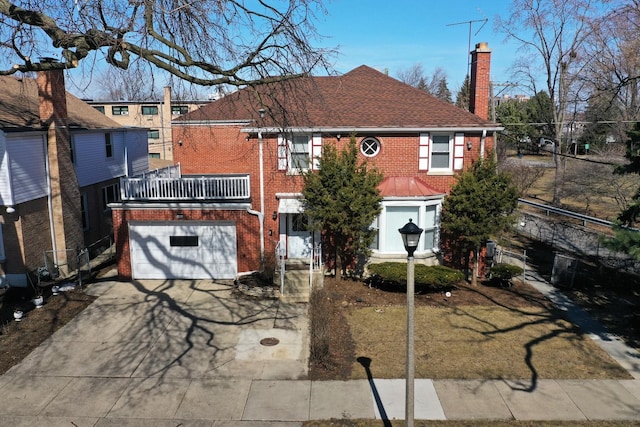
[
  {"x": 132, "y": 84},
  {"x": 613, "y": 73},
  {"x": 523, "y": 175},
  {"x": 552, "y": 34},
  {"x": 417, "y": 77},
  {"x": 204, "y": 42},
  {"x": 593, "y": 188}
]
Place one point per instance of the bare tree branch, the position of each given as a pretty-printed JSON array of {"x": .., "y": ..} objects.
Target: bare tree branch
[{"x": 206, "y": 42}]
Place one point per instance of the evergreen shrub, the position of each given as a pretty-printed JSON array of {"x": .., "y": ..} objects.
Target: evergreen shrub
[
  {"x": 437, "y": 276},
  {"x": 503, "y": 273}
]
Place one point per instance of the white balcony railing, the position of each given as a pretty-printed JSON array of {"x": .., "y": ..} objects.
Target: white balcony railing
[{"x": 208, "y": 187}]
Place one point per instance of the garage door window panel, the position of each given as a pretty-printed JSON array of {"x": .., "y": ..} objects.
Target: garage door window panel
[{"x": 183, "y": 241}]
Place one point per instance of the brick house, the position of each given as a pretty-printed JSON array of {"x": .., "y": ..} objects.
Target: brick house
[
  {"x": 259, "y": 139},
  {"x": 61, "y": 161}
]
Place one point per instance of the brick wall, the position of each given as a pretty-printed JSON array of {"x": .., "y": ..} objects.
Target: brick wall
[
  {"x": 225, "y": 149},
  {"x": 480, "y": 80},
  {"x": 26, "y": 235},
  {"x": 65, "y": 194}
]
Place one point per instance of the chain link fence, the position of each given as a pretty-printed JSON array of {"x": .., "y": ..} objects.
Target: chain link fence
[
  {"x": 76, "y": 264},
  {"x": 579, "y": 241}
]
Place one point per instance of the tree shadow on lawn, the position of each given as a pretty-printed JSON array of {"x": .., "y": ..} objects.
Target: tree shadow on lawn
[
  {"x": 549, "y": 318},
  {"x": 532, "y": 316}
]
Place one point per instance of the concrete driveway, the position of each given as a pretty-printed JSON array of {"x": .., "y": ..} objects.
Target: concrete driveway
[{"x": 150, "y": 350}]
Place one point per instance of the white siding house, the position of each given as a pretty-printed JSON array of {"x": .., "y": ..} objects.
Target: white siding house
[{"x": 32, "y": 179}]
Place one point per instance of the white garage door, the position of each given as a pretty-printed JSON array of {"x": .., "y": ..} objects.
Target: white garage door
[{"x": 183, "y": 250}]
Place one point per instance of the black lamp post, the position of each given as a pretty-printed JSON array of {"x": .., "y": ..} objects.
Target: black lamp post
[{"x": 410, "y": 237}]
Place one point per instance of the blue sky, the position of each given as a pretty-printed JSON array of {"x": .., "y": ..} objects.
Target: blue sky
[{"x": 395, "y": 35}]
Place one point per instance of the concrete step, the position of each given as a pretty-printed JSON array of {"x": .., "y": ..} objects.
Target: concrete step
[{"x": 296, "y": 284}]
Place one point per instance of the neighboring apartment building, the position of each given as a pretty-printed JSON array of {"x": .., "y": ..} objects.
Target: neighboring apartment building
[
  {"x": 156, "y": 116},
  {"x": 60, "y": 166},
  {"x": 245, "y": 153}
]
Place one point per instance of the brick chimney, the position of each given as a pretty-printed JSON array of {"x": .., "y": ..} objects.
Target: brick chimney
[
  {"x": 480, "y": 80},
  {"x": 65, "y": 192}
]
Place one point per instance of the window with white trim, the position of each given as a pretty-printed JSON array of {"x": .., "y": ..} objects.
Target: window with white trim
[
  {"x": 395, "y": 214},
  {"x": 429, "y": 235},
  {"x": 370, "y": 146},
  {"x": 441, "y": 152},
  {"x": 375, "y": 229},
  {"x": 299, "y": 152}
]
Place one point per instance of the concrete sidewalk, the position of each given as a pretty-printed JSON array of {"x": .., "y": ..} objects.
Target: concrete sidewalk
[{"x": 189, "y": 353}]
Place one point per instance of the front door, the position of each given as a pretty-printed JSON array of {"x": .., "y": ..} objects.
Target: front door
[{"x": 299, "y": 238}]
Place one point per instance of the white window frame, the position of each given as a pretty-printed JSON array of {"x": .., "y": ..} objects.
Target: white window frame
[
  {"x": 290, "y": 145},
  {"x": 380, "y": 225},
  {"x": 435, "y": 227},
  {"x": 371, "y": 140},
  {"x": 450, "y": 152}
]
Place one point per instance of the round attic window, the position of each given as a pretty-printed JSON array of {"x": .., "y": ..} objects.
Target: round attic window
[{"x": 370, "y": 146}]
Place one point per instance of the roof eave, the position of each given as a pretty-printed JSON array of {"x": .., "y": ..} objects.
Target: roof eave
[{"x": 378, "y": 130}]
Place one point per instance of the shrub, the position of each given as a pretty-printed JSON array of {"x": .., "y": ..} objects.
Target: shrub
[
  {"x": 503, "y": 273},
  {"x": 437, "y": 276},
  {"x": 319, "y": 315}
]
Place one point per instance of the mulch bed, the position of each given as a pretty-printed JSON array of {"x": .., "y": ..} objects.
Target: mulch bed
[{"x": 18, "y": 339}]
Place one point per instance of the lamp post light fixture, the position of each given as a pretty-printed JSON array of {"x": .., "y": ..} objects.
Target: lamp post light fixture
[{"x": 410, "y": 237}]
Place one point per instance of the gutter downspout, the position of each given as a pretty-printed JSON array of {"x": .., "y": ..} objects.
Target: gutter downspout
[
  {"x": 260, "y": 214},
  {"x": 482, "y": 142},
  {"x": 126, "y": 153}
]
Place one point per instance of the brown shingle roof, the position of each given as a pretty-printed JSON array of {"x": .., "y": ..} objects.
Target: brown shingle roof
[
  {"x": 19, "y": 107},
  {"x": 361, "y": 98}
]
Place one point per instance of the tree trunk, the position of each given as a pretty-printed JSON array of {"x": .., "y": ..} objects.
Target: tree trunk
[
  {"x": 476, "y": 265},
  {"x": 338, "y": 265},
  {"x": 467, "y": 261}
]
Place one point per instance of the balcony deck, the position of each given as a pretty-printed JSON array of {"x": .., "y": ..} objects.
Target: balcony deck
[{"x": 220, "y": 188}]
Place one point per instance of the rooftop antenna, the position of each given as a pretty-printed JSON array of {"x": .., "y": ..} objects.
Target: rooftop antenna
[{"x": 484, "y": 21}]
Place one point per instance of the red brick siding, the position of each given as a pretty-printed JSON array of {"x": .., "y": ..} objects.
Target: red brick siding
[
  {"x": 224, "y": 149},
  {"x": 26, "y": 236},
  {"x": 480, "y": 81}
]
